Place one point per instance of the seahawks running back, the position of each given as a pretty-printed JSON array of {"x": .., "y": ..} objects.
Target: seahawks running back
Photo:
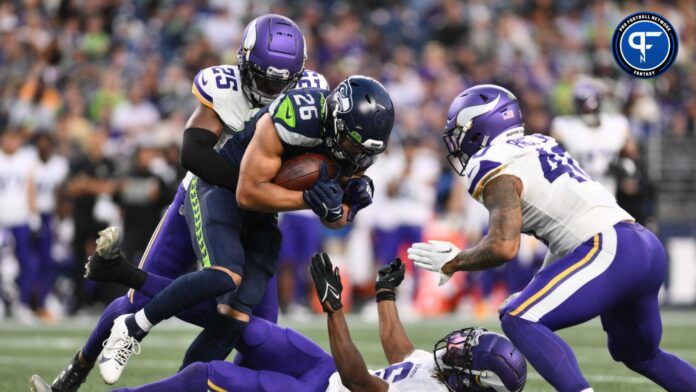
[
  {"x": 235, "y": 234},
  {"x": 229, "y": 96},
  {"x": 600, "y": 261}
]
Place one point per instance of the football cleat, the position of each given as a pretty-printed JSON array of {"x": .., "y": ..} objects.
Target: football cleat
[
  {"x": 108, "y": 242},
  {"x": 69, "y": 380},
  {"x": 118, "y": 349},
  {"x": 37, "y": 384}
]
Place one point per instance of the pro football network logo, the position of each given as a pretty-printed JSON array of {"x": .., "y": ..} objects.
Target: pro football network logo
[{"x": 645, "y": 44}]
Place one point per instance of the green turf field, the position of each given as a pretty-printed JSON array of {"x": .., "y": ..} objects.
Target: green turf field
[{"x": 45, "y": 350}]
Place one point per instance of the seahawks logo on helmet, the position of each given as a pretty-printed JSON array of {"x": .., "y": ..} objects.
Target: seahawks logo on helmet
[{"x": 344, "y": 97}]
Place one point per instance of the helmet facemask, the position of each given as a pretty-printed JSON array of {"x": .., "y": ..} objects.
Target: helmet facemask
[
  {"x": 347, "y": 147},
  {"x": 260, "y": 86},
  {"x": 454, "y": 140}
]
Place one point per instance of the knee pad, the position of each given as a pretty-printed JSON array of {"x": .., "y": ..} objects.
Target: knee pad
[
  {"x": 509, "y": 323},
  {"x": 227, "y": 330},
  {"x": 211, "y": 277},
  {"x": 256, "y": 333},
  {"x": 637, "y": 364},
  {"x": 197, "y": 368}
]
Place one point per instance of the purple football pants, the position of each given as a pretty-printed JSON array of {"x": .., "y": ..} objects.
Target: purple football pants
[
  {"x": 169, "y": 254},
  {"x": 277, "y": 359},
  {"x": 615, "y": 275}
]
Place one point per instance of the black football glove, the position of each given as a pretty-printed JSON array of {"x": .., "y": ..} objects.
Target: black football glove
[
  {"x": 390, "y": 276},
  {"x": 327, "y": 281},
  {"x": 357, "y": 193},
  {"x": 325, "y": 198}
]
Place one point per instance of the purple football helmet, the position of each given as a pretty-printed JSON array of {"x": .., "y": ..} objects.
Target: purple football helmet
[
  {"x": 271, "y": 58},
  {"x": 588, "y": 99},
  {"x": 475, "y": 359},
  {"x": 475, "y": 118}
]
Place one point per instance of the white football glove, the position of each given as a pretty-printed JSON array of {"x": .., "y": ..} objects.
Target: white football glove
[{"x": 433, "y": 255}]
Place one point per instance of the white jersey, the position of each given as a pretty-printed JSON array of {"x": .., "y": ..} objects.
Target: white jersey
[
  {"x": 47, "y": 177},
  {"x": 594, "y": 148},
  {"x": 220, "y": 89},
  {"x": 414, "y": 374},
  {"x": 561, "y": 204},
  {"x": 16, "y": 170}
]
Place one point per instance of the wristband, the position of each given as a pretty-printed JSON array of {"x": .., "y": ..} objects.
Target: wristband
[{"x": 386, "y": 295}]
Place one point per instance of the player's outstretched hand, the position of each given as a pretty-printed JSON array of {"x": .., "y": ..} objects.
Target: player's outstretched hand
[
  {"x": 357, "y": 193},
  {"x": 433, "y": 255},
  {"x": 327, "y": 281},
  {"x": 389, "y": 277},
  {"x": 325, "y": 198}
]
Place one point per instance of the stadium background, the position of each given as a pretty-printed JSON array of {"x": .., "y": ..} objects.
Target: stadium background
[{"x": 109, "y": 82}]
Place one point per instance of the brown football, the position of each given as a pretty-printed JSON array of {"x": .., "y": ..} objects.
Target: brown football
[{"x": 301, "y": 172}]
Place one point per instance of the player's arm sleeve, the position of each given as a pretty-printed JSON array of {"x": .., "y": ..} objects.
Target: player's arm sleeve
[{"x": 199, "y": 157}]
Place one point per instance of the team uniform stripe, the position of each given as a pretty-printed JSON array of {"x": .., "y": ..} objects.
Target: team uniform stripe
[
  {"x": 484, "y": 168},
  {"x": 566, "y": 289},
  {"x": 215, "y": 388},
  {"x": 131, "y": 292},
  {"x": 485, "y": 179},
  {"x": 198, "y": 91},
  {"x": 198, "y": 222},
  {"x": 558, "y": 278}
]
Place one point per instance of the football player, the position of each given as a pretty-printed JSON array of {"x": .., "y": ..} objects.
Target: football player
[
  {"x": 281, "y": 359},
  {"x": 235, "y": 235},
  {"x": 600, "y": 261},
  {"x": 228, "y": 95},
  {"x": 594, "y": 137}
]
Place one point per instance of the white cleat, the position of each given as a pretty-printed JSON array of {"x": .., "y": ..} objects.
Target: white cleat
[
  {"x": 108, "y": 242},
  {"x": 118, "y": 349},
  {"x": 37, "y": 384}
]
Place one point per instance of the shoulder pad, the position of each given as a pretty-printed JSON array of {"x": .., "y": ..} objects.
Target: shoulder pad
[
  {"x": 297, "y": 116},
  {"x": 312, "y": 79},
  {"x": 211, "y": 82}
]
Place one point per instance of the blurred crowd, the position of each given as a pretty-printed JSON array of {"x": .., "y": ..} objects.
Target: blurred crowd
[{"x": 97, "y": 94}]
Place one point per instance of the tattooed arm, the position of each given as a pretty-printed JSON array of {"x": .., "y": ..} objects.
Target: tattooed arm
[{"x": 501, "y": 196}]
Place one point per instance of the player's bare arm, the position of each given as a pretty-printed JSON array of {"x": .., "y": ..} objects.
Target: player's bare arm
[
  {"x": 395, "y": 342},
  {"x": 349, "y": 362},
  {"x": 203, "y": 129},
  {"x": 501, "y": 196},
  {"x": 256, "y": 190}
]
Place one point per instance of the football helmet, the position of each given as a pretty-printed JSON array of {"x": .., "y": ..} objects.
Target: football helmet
[
  {"x": 587, "y": 99},
  {"x": 271, "y": 58},
  {"x": 475, "y": 359},
  {"x": 358, "y": 123},
  {"x": 476, "y": 117}
]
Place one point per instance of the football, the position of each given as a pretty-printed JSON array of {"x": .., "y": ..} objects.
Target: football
[{"x": 301, "y": 172}]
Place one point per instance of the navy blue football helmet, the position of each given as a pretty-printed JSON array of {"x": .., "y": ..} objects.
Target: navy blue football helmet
[
  {"x": 358, "y": 122},
  {"x": 477, "y": 360}
]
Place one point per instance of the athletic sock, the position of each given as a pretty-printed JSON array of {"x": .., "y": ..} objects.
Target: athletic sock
[
  {"x": 134, "y": 329},
  {"x": 547, "y": 352},
  {"x": 187, "y": 291}
]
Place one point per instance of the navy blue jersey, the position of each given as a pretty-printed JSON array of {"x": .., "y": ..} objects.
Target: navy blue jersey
[{"x": 298, "y": 118}]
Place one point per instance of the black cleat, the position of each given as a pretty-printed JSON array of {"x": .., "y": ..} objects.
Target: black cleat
[
  {"x": 69, "y": 380},
  {"x": 107, "y": 264}
]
